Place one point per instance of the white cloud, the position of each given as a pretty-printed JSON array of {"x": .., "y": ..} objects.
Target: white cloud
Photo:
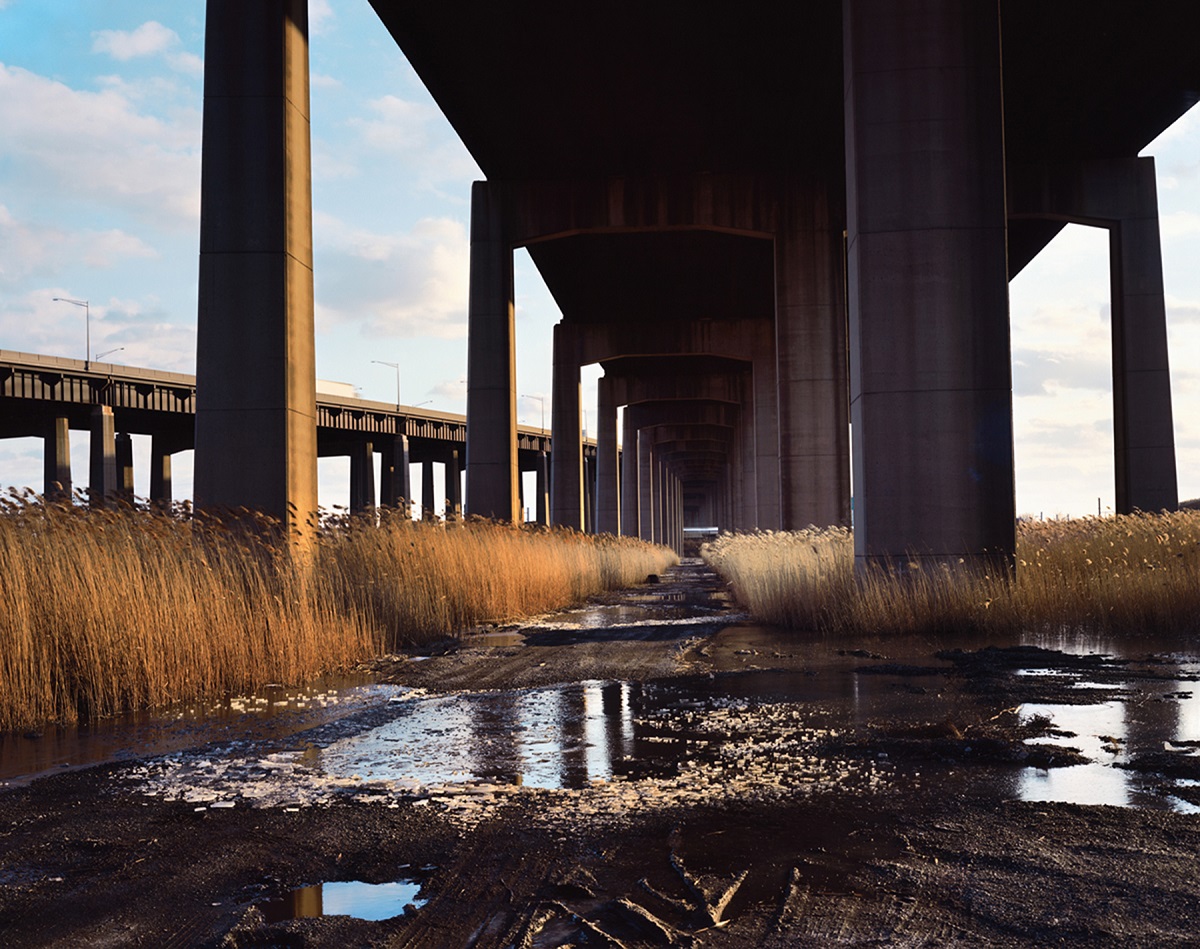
[
  {"x": 31, "y": 250},
  {"x": 406, "y": 284},
  {"x": 320, "y": 17},
  {"x": 98, "y": 146},
  {"x": 149, "y": 39},
  {"x": 34, "y": 322},
  {"x": 412, "y": 133},
  {"x": 1040, "y": 372}
]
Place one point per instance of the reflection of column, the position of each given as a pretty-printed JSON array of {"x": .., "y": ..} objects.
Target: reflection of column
[
  {"x": 160, "y": 472},
  {"x": 491, "y": 363},
  {"x": 57, "y": 461},
  {"x": 102, "y": 468},
  {"x": 566, "y": 437},
  {"x": 629, "y": 474},
  {"x": 494, "y": 737},
  {"x": 608, "y": 500},
  {"x": 932, "y": 392},
  {"x": 256, "y": 433}
]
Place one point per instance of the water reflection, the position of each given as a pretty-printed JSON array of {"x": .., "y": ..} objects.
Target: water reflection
[
  {"x": 373, "y": 901},
  {"x": 560, "y": 737}
]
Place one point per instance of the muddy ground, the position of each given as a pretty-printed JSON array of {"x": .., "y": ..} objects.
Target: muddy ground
[{"x": 88, "y": 859}]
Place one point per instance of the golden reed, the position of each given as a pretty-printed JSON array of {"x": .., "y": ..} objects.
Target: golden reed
[
  {"x": 1130, "y": 574},
  {"x": 105, "y": 611}
]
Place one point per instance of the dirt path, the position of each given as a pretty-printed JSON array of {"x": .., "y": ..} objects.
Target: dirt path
[{"x": 86, "y": 859}]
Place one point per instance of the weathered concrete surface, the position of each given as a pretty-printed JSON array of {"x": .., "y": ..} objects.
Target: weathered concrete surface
[{"x": 256, "y": 438}]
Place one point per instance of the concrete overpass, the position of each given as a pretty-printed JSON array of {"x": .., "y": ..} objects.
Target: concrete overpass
[
  {"x": 48, "y": 396},
  {"x": 855, "y": 179}
]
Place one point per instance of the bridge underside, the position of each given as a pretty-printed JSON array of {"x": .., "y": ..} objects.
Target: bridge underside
[{"x": 833, "y": 195}]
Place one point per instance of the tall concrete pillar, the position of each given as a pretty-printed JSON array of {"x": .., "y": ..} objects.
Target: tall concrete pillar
[
  {"x": 396, "y": 487},
  {"x": 56, "y": 454},
  {"x": 362, "y": 477},
  {"x": 630, "y": 498},
  {"x": 1144, "y": 432},
  {"x": 931, "y": 399},
  {"x": 102, "y": 466},
  {"x": 542, "y": 486},
  {"x": 766, "y": 441},
  {"x": 160, "y": 472},
  {"x": 1120, "y": 194},
  {"x": 428, "y": 501},
  {"x": 123, "y": 446},
  {"x": 491, "y": 363},
  {"x": 566, "y": 434},
  {"x": 645, "y": 481},
  {"x": 589, "y": 495},
  {"x": 608, "y": 498},
  {"x": 810, "y": 345},
  {"x": 453, "y": 486},
  {"x": 256, "y": 435}
]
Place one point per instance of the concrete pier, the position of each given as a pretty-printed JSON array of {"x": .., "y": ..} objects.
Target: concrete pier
[
  {"x": 566, "y": 433},
  {"x": 57, "y": 460},
  {"x": 256, "y": 415},
  {"x": 931, "y": 393},
  {"x": 491, "y": 363},
  {"x": 102, "y": 462}
]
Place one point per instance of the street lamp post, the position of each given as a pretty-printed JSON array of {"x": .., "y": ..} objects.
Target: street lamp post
[
  {"x": 87, "y": 323},
  {"x": 396, "y": 366},
  {"x": 541, "y": 399},
  {"x": 108, "y": 352}
]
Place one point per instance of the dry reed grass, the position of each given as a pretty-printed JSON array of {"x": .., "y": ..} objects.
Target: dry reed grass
[
  {"x": 104, "y": 611},
  {"x": 1132, "y": 575}
]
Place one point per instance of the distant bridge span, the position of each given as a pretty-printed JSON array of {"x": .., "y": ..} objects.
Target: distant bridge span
[{"x": 47, "y": 396}]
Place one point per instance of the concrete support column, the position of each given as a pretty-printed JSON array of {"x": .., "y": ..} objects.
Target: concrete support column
[
  {"x": 810, "y": 345},
  {"x": 396, "y": 487},
  {"x": 123, "y": 446},
  {"x": 1144, "y": 431},
  {"x": 542, "y": 486},
  {"x": 362, "y": 478},
  {"x": 428, "y": 502},
  {"x": 102, "y": 466},
  {"x": 662, "y": 504},
  {"x": 566, "y": 434},
  {"x": 747, "y": 488},
  {"x": 453, "y": 486},
  {"x": 931, "y": 400},
  {"x": 491, "y": 363},
  {"x": 589, "y": 495},
  {"x": 160, "y": 473},
  {"x": 630, "y": 498},
  {"x": 766, "y": 441},
  {"x": 256, "y": 436},
  {"x": 608, "y": 498},
  {"x": 645, "y": 483},
  {"x": 56, "y": 454}
]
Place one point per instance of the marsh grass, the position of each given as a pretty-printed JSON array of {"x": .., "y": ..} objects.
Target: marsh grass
[
  {"x": 106, "y": 611},
  {"x": 1135, "y": 574}
]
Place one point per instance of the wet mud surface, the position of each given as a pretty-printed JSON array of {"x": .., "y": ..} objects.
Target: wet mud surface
[{"x": 651, "y": 770}]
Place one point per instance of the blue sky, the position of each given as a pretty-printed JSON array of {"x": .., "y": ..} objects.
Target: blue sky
[{"x": 100, "y": 104}]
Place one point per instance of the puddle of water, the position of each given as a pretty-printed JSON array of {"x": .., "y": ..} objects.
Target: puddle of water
[
  {"x": 1151, "y": 716},
  {"x": 274, "y": 712},
  {"x": 567, "y": 736},
  {"x": 373, "y": 901}
]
